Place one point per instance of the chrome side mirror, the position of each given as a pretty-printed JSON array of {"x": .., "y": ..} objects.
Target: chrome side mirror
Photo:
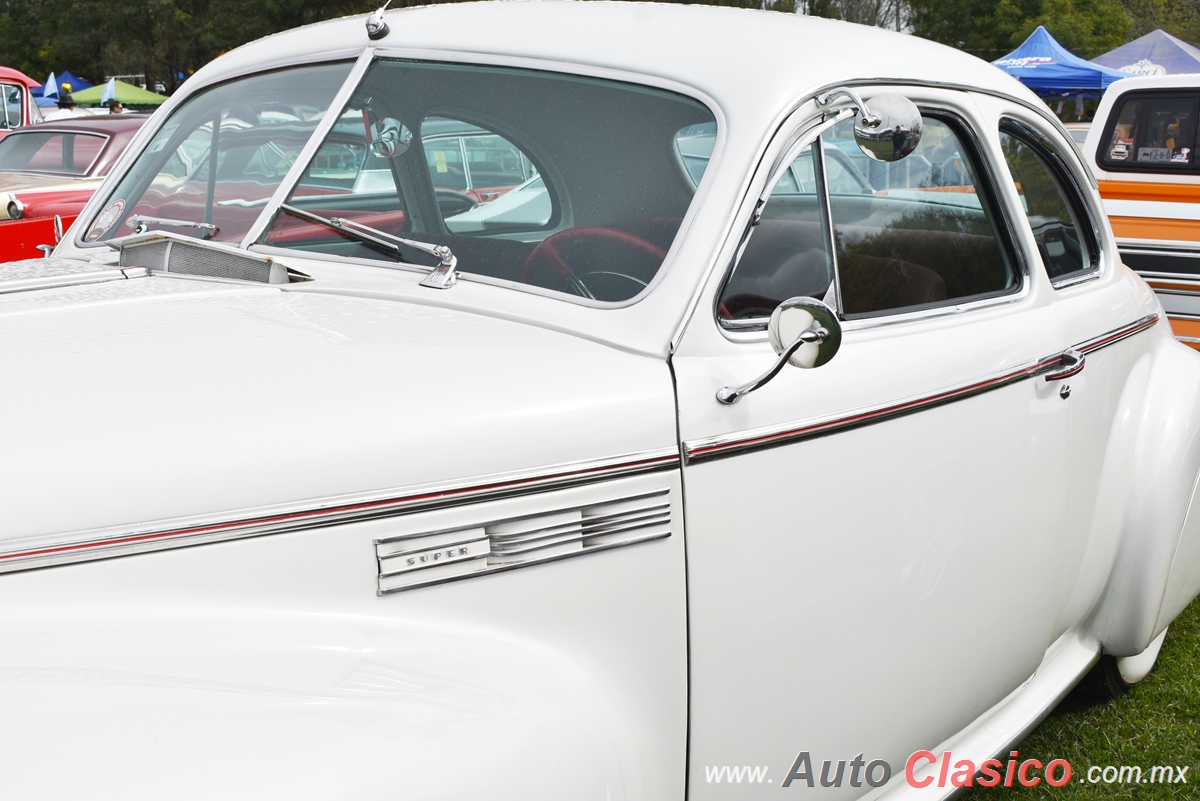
[
  {"x": 888, "y": 129},
  {"x": 897, "y": 133},
  {"x": 804, "y": 332},
  {"x": 392, "y": 138}
]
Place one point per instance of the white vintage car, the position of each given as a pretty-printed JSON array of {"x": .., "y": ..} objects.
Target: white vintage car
[{"x": 720, "y": 456}]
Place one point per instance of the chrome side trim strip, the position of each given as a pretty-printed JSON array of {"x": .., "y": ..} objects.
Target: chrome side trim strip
[
  {"x": 85, "y": 546},
  {"x": 700, "y": 450},
  {"x": 1118, "y": 334}
]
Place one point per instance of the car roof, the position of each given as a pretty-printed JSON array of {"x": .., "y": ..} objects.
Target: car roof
[
  {"x": 9, "y": 74},
  {"x": 1134, "y": 84},
  {"x": 739, "y": 57}
]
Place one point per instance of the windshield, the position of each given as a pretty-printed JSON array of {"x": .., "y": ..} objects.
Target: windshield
[
  {"x": 567, "y": 183},
  {"x": 220, "y": 156},
  {"x": 12, "y": 105}
]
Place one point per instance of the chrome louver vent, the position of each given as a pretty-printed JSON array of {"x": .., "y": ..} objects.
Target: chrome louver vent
[
  {"x": 415, "y": 560},
  {"x": 165, "y": 252}
]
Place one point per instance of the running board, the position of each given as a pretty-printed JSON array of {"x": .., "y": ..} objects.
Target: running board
[{"x": 1005, "y": 724}]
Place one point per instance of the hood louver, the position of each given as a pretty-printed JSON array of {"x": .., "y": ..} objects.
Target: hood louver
[
  {"x": 416, "y": 560},
  {"x": 164, "y": 252}
]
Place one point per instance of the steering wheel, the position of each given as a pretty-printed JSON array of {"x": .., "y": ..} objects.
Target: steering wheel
[{"x": 549, "y": 253}]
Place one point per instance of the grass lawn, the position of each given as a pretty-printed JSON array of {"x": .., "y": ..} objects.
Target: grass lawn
[{"x": 1158, "y": 723}]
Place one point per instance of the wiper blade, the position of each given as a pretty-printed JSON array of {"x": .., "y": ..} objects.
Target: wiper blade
[
  {"x": 139, "y": 223},
  {"x": 441, "y": 277}
]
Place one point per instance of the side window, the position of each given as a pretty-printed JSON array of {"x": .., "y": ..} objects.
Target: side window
[
  {"x": 921, "y": 232},
  {"x": 932, "y": 238},
  {"x": 1065, "y": 239},
  {"x": 1151, "y": 133},
  {"x": 482, "y": 180},
  {"x": 788, "y": 252},
  {"x": 71, "y": 154}
]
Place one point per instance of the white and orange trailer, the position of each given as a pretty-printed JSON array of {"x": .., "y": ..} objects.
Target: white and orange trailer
[{"x": 1142, "y": 147}]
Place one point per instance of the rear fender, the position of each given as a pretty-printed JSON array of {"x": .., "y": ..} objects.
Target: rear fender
[{"x": 1156, "y": 572}]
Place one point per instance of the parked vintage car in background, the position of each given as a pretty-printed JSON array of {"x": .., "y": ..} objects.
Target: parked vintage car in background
[
  {"x": 1142, "y": 147},
  {"x": 312, "y": 492},
  {"x": 50, "y": 170},
  {"x": 18, "y": 106}
]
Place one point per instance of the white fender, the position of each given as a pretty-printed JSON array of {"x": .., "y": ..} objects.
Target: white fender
[{"x": 1157, "y": 568}]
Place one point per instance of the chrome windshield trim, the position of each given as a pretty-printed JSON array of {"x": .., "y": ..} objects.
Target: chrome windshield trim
[
  {"x": 306, "y": 154},
  {"x": 706, "y": 448},
  {"x": 85, "y": 546}
]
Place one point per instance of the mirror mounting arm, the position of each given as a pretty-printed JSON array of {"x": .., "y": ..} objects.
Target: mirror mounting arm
[
  {"x": 869, "y": 120},
  {"x": 815, "y": 333}
]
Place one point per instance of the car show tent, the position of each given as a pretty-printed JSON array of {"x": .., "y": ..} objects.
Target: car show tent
[
  {"x": 1156, "y": 53},
  {"x": 56, "y": 81},
  {"x": 1048, "y": 68},
  {"x": 126, "y": 93}
]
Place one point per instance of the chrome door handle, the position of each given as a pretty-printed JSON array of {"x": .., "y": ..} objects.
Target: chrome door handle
[{"x": 1071, "y": 362}]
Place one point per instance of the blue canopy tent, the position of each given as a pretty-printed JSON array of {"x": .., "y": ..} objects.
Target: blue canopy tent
[
  {"x": 1156, "y": 53},
  {"x": 1048, "y": 68},
  {"x": 76, "y": 83}
]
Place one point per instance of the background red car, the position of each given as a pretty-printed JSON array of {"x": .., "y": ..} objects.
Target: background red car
[
  {"x": 53, "y": 169},
  {"x": 18, "y": 108}
]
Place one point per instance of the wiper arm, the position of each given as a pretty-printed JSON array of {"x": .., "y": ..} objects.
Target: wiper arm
[
  {"x": 441, "y": 277},
  {"x": 139, "y": 224}
]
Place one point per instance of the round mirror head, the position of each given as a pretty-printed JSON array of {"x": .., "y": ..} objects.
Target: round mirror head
[
  {"x": 898, "y": 132},
  {"x": 392, "y": 138},
  {"x": 800, "y": 316}
]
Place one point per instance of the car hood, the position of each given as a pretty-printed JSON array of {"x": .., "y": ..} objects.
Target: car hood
[{"x": 157, "y": 398}]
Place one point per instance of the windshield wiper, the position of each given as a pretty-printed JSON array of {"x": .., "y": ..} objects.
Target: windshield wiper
[
  {"x": 139, "y": 223},
  {"x": 441, "y": 277}
]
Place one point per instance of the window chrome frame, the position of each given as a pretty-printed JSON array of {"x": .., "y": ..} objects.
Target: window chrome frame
[
  {"x": 802, "y": 138},
  {"x": 754, "y": 329},
  {"x": 1060, "y": 169}
]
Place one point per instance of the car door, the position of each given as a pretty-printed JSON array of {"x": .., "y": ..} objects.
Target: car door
[
  {"x": 1098, "y": 303},
  {"x": 873, "y": 544}
]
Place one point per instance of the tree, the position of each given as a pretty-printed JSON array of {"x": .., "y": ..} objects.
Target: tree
[
  {"x": 880, "y": 13},
  {"x": 1177, "y": 17},
  {"x": 991, "y": 29}
]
